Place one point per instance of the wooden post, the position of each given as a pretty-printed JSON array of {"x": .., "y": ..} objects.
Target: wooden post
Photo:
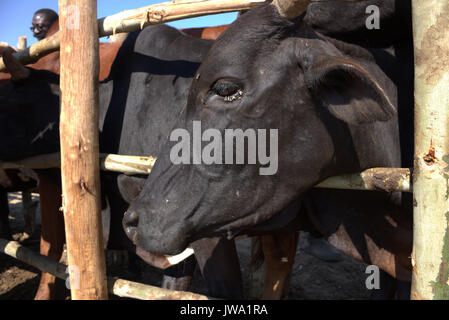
[
  {"x": 80, "y": 148},
  {"x": 22, "y": 43},
  {"x": 430, "y": 257}
]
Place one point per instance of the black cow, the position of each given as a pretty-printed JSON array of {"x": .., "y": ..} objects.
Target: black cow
[
  {"x": 335, "y": 105},
  {"x": 139, "y": 103}
]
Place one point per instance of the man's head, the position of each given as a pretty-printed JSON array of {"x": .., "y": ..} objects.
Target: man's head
[{"x": 42, "y": 21}]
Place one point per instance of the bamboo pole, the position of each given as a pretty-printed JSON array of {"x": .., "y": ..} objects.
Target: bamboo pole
[
  {"x": 119, "y": 287},
  {"x": 132, "y": 20},
  {"x": 430, "y": 257},
  {"x": 80, "y": 169}
]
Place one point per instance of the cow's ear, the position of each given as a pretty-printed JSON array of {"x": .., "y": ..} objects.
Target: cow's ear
[{"x": 348, "y": 90}]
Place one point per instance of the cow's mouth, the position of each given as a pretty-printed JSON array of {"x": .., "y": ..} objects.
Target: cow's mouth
[
  {"x": 163, "y": 261},
  {"x": 170, "y": 242},
  {"x": 156, "y": 260}
]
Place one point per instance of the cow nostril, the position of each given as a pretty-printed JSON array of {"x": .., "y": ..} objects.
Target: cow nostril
[
  {"x": 131, "y": 219},
  {"x": 130, "y": 222}
]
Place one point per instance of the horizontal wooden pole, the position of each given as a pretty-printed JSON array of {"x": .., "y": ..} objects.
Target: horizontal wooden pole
[
  {"x": 6, "y": 45},
  {"x": 127, "y": 164},
  {"x": 43, "y": 263},
  {"x": 36, "y": 51},
  {"x": 135, "y": 290},
  {"x": 375, "y": 179},
  {"x": 380, "y": 179},
  {"x": 132, "y": 20},
  {"x": 108, "y": 162},
  {"x": 119, "y": 287},
  {"x": 46, "y": 161}
]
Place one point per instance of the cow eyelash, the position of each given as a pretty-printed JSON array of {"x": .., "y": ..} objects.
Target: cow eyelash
[
  {"x": 236, "y": 96},
  {"x": 228, "y": 90}
]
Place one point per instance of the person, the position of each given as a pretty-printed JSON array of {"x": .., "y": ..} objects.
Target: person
[{"x": 42, "y": 21}]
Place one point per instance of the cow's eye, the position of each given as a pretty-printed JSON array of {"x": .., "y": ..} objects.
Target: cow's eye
[{"x": 227, "y": 89}]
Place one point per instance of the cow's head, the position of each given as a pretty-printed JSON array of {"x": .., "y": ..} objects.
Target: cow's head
[
  {"x": 29, "y": 111},
  {"x": 266, "y": 71}
]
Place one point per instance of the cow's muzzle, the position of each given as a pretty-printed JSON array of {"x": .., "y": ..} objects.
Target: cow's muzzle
[
  {"x": 130, "y": 222},
  {"x": 170, "y": 239}
]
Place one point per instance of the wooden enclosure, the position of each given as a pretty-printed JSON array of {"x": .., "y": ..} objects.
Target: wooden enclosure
[{"x": 79, "y": 137}]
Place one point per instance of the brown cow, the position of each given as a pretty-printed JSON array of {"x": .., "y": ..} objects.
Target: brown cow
[
  {"x": 52, "y": 223},
  {"x": 211, "y": 33}
]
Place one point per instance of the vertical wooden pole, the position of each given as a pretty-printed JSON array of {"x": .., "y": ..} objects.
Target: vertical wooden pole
[
  {"x": 79, "y": 148},
  {"x": 430, "y": 257},
  {"x": 22, "y": 43}
]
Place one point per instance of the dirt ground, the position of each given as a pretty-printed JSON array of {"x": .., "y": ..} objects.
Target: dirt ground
[{"x": 312, "y": 278}]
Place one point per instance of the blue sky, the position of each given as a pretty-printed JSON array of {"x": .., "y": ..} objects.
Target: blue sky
[{"x": 16, "y": 15}]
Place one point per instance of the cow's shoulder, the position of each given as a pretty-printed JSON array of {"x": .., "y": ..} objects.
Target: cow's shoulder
[
  {"x": 154, "y": 40},
  {"x": 158, "y": 36}
]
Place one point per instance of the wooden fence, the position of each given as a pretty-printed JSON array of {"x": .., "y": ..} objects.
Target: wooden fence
[{"x": 80, "y": 168}]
